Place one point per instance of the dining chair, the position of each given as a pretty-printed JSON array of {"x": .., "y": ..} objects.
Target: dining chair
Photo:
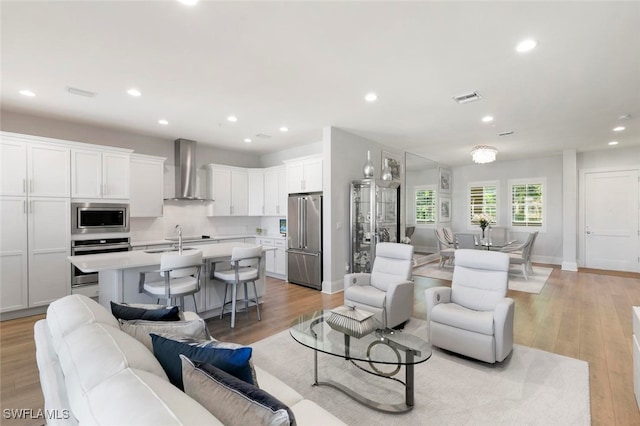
[
  {"x": 521, "y": 255},
  {"x": 245, "y": 268},
  {"x": 446, "y": 251},
  {"x": 466, "y": 241},
  {"x": 180, "y": 273},
  {"x": 447, "y": 233}
]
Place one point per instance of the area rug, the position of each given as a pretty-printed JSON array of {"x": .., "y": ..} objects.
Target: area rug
[
  {"x": 517, "y": 282},
  {"x": 530, "y": 387}
]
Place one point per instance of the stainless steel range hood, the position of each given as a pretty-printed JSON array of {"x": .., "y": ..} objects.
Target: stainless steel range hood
[{"x": 186, "y": 171}]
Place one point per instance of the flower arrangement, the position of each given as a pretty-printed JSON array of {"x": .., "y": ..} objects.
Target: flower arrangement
[{"x": 482, "y": 219}]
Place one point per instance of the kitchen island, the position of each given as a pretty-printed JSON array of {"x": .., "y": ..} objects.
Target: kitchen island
[{"x": 119, "y": 274}]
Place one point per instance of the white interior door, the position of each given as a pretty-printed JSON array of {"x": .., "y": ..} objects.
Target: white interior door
[{"x": 612, "y": 220}]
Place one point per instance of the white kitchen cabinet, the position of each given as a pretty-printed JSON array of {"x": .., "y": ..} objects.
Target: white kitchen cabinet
[
  {"x": 49, "y": 245},
  {"x": 274, "y": 259},
  {"x": 256, "y": 191},
  {"x": 13, "y": 254},
  {"x": 275, "y": 191},
  {"x": 33, "y": 252},
  {"x": 146, "y": 186},
  {"x": 280, "y": 256},
  {"x": 228, "y": 188},
  {"x": 304, "y": 175},
  {"x": 38, "y": 170},
  {"x": 99, "y": 174}
]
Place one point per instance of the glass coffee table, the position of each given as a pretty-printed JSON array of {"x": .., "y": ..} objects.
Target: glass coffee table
[{"x": 379, "y": 349}]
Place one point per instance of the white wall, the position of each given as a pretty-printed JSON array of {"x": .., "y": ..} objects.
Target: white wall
[
  {"x": 613, "y": 157},
  {"x": 276, "y": 158},
  {"x": 548, "y": 247},
  {"x": 344, "y": 158},
  {"x": 88, "y": 133}
]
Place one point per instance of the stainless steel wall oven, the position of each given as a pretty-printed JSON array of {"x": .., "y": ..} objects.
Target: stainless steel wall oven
[{"x": 97, "y": 246}]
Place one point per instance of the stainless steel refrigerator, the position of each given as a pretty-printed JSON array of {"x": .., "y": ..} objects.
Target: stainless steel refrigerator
[{"x": 304, "y": 237}]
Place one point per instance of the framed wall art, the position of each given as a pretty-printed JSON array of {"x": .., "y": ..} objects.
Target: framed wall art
[
  {"x": 444, "y": 209},
  {"x": 444, "y": 181},
  {"x": 395, "y": 164}
]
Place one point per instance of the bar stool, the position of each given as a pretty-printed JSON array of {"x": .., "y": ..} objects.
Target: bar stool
[
  {"x": 245, "y": 264},
  {"x": 181, "y": 277}
]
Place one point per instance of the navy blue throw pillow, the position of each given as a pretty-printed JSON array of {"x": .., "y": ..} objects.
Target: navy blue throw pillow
[
  {"x": 128, "y": 313},
  {"x": 233, "y": 361}
]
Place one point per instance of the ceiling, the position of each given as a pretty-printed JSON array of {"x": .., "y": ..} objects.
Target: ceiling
[{"x": 307, "y": 65}]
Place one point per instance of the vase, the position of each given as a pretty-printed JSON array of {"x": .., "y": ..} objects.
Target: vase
[
  {"x": 368, "y": 168},
  {"x": 482, "y": 227},
  {"x": 386, "y": 171}
]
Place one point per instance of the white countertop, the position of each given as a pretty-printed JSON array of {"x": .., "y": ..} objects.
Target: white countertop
[
  {"x": 212, "y": 238},
  {"x": 138, "y": 258}
]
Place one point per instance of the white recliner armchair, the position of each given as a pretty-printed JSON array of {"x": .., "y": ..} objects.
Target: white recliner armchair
[
  {"x": 388, "y": 290},
  {"x": 473, "y": 317}
]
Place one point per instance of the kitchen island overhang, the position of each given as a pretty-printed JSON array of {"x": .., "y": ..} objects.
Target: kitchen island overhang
[{"x": 119, "y": 273}]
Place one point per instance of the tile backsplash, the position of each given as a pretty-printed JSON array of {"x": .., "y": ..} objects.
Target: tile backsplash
[{"x": 192, "y": 216}]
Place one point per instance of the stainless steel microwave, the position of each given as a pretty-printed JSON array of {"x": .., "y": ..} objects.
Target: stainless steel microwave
[{"x": 89, "y": 218}]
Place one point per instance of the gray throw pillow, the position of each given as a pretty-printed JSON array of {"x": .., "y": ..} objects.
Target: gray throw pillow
[
  {"x": 141, "y": 329},
  {"x": 231, "y": 400}
]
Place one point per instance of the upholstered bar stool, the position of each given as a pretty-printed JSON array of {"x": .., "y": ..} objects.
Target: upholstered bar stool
[{"x": 245, "y": 268}]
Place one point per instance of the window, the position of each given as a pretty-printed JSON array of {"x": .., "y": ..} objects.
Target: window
[
  {"x": 527, "y": 202},
  {"x": 425, "y": 205},
  {"x": 483, "y": 200}
]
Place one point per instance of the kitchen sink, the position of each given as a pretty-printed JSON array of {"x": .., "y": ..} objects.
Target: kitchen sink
[{"x": 167, "y": 250}]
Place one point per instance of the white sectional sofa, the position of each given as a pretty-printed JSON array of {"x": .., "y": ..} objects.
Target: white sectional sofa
[{"x": 93, "y": 373}]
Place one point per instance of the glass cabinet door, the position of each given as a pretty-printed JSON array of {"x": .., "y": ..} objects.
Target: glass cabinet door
[
  {"x": 374, "y": 218},
  {"x": 361, "y": 226}
]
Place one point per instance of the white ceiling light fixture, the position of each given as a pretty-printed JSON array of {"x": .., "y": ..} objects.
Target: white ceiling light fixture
[
  {"x": 232, "y": 118},
  {"x": 163, "y": 122},
  {"x": 483, "y": 154},
  {"x": 526, "y": 45},
  {"x": 612, "y": 143},
  {"x": 27, "y": 92},
  {"x": 284, "y": 129},
  {"x": 371, "y": 97},
  {"x": 487, "y": 119},
  {"x": 134, "y": 92},
  {"x": 619, "y": 128},
  {"x": 247, "y": 140}
]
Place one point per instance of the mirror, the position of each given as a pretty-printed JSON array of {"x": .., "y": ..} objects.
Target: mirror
[{"x": 420, "y": 189}]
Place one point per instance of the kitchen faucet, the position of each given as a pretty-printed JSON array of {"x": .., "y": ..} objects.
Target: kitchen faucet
[{"x": 179, "y": 228}]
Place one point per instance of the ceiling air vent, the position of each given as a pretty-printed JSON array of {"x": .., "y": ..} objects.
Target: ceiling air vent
[
  {"x": 467, "y": 97},
  {"x": 80, "y": 92},
  {"x": 262, "y": 136},
  {"x": 510, "y": 132}
]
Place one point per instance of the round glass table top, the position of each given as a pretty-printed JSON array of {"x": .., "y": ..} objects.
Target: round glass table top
[{"x": 383, "y": 345}]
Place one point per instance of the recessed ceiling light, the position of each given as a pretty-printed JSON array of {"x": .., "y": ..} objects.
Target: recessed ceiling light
[
  {"x": 189, "y": 2},
  {"x": 27, "y": 93},
  {"x": 371, "y": 97},
  {"x": 526, "y": 45},
  {"x": 284, "y": 129},
  {"x": 232, "y": 118},
  {"x": 163, "y": 122},
  {"x": 613, "y": 143},
  {"x": 487, "y": 119},
  {"x": 247, "y": 140},
  {"x": 619, "y": 128},
  {"x": 134, "y": 92}
]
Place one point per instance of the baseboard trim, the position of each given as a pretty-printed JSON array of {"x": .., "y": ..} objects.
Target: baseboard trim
[
  {"x": 23, "y": 313},
  {"x": 331, "y": 287},
  {"x": 570, "y": 266}
]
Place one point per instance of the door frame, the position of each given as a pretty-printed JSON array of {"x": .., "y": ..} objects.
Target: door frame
[{"x": 582, "y": 249}]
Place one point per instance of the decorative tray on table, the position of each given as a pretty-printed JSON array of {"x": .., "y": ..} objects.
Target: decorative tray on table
[{"x": 352, "y": 321}]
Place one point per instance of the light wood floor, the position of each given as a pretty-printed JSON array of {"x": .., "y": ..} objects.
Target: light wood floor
[{"x": 584, "y": 315}]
